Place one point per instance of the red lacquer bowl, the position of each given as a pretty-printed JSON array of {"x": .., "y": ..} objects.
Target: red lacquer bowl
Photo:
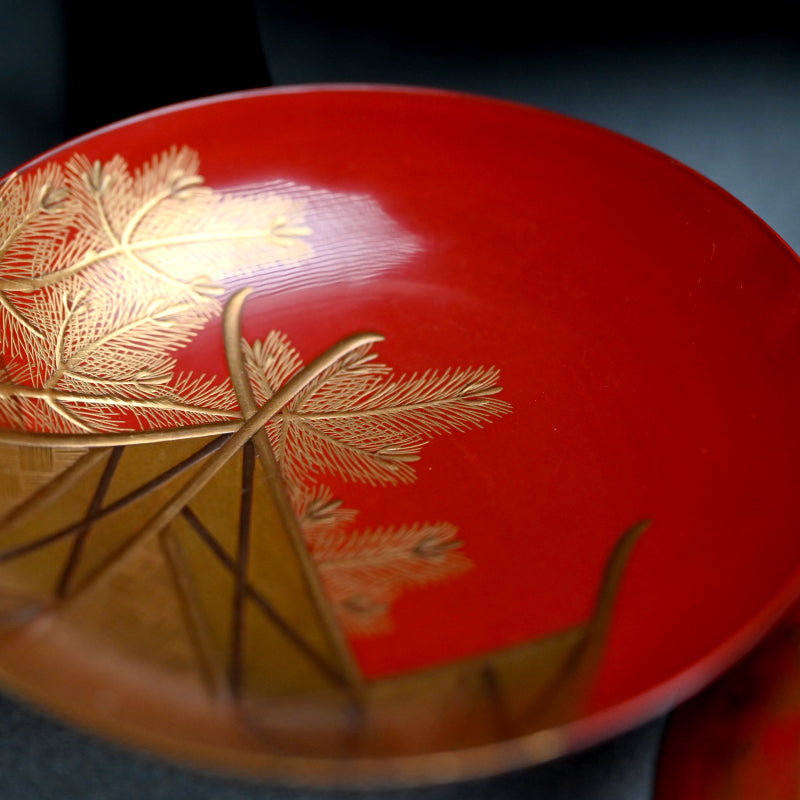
[{"x": 356, "y": 435}]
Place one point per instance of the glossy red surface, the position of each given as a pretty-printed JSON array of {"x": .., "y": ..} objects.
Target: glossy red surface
[{"x": 646, "y": 329}]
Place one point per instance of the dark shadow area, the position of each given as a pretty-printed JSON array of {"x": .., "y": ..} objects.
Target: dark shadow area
[
  {"x": 155, "y": 54},
  {"x": 42, "y": 759},
  {"x": 504, "y": 27}
]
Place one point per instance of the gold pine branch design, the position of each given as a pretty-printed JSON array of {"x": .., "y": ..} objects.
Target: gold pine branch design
[
  {"x": 319, "y": 512},
  {"x": 81, "y": 355},
  {"x": 106, "y": 273},
  {"x": 358, "y": 421},
  {"x": 365, "y": 572}
]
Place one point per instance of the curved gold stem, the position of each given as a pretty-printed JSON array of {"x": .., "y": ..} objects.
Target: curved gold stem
[
  {"x": 231, "y": 327},
  {"x": 111, "y": 439},
  {"x": 572, "y": 682}
]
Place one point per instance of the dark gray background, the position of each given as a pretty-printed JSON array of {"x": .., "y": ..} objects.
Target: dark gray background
[{"x": 721, "y": 94}]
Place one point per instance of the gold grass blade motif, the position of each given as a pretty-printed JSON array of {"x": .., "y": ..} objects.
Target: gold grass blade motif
[
  {"x": 105, "y": 274},
  {"x": 175, "y": 551},
  {"x": 363, "y": 572}
]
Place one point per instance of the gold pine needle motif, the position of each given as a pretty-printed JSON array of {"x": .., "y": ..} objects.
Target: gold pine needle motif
[
  {"x": 358, "y": 420},
  {"x": 364, "y": 573},
  {"x": 106, "y": 273}
]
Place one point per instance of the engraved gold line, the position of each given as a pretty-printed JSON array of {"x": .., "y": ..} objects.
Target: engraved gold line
[
  {"x": 283, "y": 238},
  {"x": 276, "y": 232},
  {"x": 90, "y": 347},
  {"x": 299, "y": 402},
  {"x": 127, "y": 499},
  {"x": 32, "y": 284},
  {"x": 27, "y": 284},
  {"x": 243, "y": 433},
  {"x": 9, "y": 306},
  {"x": 333, "y": 563},
  {"x": 308, "y": 392},
  {"x": 103, "y": 215},
  {"x": 24, "y": 222},
  {"x": 283, "y": 432},
  {"x": 107, "y": 337},
  {"x": 85, "y": 527},
  {"x": 130, "y": 252},
  {"x": 13, "y": 390},
  {"x": 216, "y": 548},
  {"x": 132, "y": 249},
  {"x": 92, "y": 381},
  {"x": 385, "y": 410},
  {"x": 231, "y": 328},
  {"x": 202, "y": 238},
  {"x": 60, "y": 366},
  {"x": 59, "y": 344},
  {"x": 142, "y": 212},
  {"x": 389, "y": 462},
  {"x": 242, "y": 563},
  {"x": 111, "y": 439},
  {"x": 56, "y": 488},
  {"x": 67, "y": 414},
  {"x": 199, "y": 632},
  {"x": 295, "y": 384}
]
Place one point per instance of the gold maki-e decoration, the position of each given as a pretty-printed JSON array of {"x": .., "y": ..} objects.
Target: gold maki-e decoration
[{"x": 105, "y": 274}]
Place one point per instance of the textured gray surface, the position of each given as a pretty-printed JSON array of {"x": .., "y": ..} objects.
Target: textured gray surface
[
  {"x": 31, "y": 79},
  {"x": 40, "y": 758},
  {"x": 730, "y": 108}
]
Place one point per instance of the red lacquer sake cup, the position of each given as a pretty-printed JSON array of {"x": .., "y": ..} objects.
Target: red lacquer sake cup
[{"x": 373, "y": 436}]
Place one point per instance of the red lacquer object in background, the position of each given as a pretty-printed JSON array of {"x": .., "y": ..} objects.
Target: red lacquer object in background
[
  {"x": 378, "y": 435},
  {"x": 740, "y": 738}
]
